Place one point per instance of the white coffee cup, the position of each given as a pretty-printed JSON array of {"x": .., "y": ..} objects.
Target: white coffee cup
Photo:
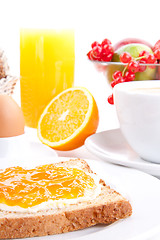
[{"x": 138, "y": 109}]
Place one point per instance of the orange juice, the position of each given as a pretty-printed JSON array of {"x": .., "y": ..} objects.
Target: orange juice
[{"x": 47, "y": 60}]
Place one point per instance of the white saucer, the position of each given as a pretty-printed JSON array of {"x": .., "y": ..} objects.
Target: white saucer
[{"x": 111, "y": 146}]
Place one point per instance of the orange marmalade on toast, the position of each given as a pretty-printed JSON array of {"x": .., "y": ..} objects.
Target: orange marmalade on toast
[{"x": 27, "y": 188}]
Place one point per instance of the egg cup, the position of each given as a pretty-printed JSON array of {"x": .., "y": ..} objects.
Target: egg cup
[{"x": 11, "y": 146}]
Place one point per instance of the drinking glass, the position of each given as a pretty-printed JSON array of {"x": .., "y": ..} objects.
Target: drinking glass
[{"x": 47, "y": 59}]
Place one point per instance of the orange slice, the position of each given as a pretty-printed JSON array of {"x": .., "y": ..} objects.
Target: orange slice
[{"x": 68, "y": 119}]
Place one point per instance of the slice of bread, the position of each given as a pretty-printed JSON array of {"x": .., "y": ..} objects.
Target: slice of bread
[{"x": 106, "y": 208}]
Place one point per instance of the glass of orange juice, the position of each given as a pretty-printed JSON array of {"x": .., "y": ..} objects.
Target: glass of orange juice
[{"x": 47, "y": 59}]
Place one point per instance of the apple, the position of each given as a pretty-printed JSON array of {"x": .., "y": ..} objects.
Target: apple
[
  {"x": 131, "y": 40},
  {"x": 134, "y": 49}
]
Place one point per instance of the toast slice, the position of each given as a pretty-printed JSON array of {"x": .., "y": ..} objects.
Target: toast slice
[{"x": 108, "y": 207}]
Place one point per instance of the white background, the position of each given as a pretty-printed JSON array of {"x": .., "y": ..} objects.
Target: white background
[{"x": 92, "y": 20}]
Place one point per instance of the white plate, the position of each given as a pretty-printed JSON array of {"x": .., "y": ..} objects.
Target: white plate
[
  {"x": 111, "y": 146},
  {"x": 140, "y": 188}
]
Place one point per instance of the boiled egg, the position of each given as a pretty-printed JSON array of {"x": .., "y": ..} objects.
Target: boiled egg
[{"x": 11, "y": 117}]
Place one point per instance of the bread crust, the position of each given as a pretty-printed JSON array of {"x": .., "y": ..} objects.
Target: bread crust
[{"x": 107, "y": 208}]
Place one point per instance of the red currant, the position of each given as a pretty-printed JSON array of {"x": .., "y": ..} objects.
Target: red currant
[
  {"x": 106, "y": 42},
  {"x": 157, "y": 45},
  {"x": 96, "y": 52},
  {"x": 116, "y": 75},
  {"x": 150, "y": 59},
  {"x": 101, "y": 52},
  {"x": 107, "y": 49},
  {"x": 129, "y": 76},
  {"x": 94, "y": 44},
  {"x": 157, "y": 53},
  {"x": 115, "y": 82},
  {"x": 142, "y": 65},
  {"x": 107, "y": 58},
  {"x": 125, "y": 57},
  {"x": 89, "y": 55},
  {"x": 110, "y": 99},
  {"x": 143, "y": 53},
  {"x": 107, "y": 53},
  {"x": 133, "y": 66}
]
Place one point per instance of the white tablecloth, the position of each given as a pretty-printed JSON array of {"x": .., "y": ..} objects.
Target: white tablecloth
[{"x": 88, "y": 77}]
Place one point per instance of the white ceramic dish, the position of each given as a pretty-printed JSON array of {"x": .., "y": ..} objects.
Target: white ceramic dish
[
  {"x": 27, "y": 155},
  {"x": 111, "y": 146},
  {"x": 139, "y": 188},
  {"x": 11, "y": 145}
]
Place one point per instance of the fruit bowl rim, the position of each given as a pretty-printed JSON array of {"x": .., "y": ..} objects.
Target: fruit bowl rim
[{"x": 120, "y": 63}]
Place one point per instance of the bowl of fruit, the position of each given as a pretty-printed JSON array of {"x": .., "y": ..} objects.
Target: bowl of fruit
[{"x": 128, "y": 60}]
